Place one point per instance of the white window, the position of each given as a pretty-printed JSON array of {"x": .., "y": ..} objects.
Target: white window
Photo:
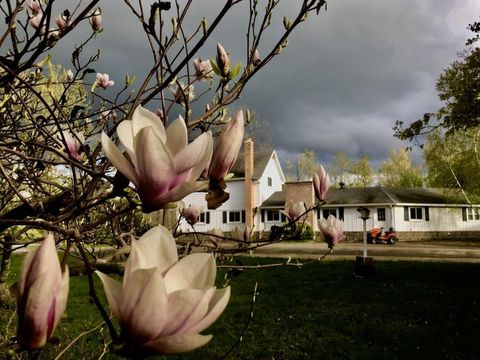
[
  {"x": 269, "y": 181},
  {"x": 204, "y": 218},
  {"x": 273, "y": 215},
  {"x": 381, "y": 214},
  {"x": 473, "y": 214},
  {"x": 416, "y": 213},
  {"x": 234, "y": 216}
]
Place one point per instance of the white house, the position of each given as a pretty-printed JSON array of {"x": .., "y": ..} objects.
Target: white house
[{"x": 258, "y": 192}]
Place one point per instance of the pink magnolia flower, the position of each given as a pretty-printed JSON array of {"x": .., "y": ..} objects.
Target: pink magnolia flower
[
  {"x": 216, "y": 237},
  {"x": 293, "y": 209},
  {"x": 226, "y": 148},
  {"x": 74, "y": 143},
  {"x": 35, "y": 22},
  {"x": 35, "y": 6},
  {"x": 103, "y": 80},
  {"x": 321, "y": 184},
  {"x": 163, "y": 166},
  {"x": 223, "y": 60},
  {"x": 191, "y": 214},
  {"x": 183, "y": 92},
  {"x": 332, "y": 230},
  {"x": 96, "y": 20},
  {"x": 42, "y": 293},
  {"x": 163, "y": 303},
  {"x": 203, "y": 69},
  {"x": 61, "y": 22}
]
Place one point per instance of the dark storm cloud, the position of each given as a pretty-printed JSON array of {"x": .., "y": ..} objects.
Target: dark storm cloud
[{"x": 343, "y": 81}]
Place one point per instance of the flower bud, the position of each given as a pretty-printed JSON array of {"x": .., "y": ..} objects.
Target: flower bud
[
  {"x": 96, "y": 20},
  {"x": 293, "y": 210},
  {"x": 74, "y": 143},
  {"x": 256, "y": 58},
  {"x": 216, "y": 237},
  {"x": 70, "y": 75},
  {"x": 223, "y": 61},
  {"x": 35, "y": 6},
  {"x": 203, "y": 69},
  {"x": 62, "y": 22},
  {"x": 35, "y": 22},
  {"x": 321, "y": 184},
  {"x": 191, "y": 214},
  {"x": 42, "y": 293},
  {"x": 226, "y": 148},
  {"x": 332, "y": 230}
]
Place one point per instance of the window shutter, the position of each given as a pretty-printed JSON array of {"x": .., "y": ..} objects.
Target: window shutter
[
  {"x": 340, "y": 213},
  {"x": 405, "y": 213},
  {"x": 427, "y": 214},
  {"x": 262, "y": 213},
  {"x": 208, "y": 217},
  {"x": 325, "y": 213},
  {"x": 243, "y": 216},
  {"x": 224, "y": 219},
  {"x": 464, "y": 214}
]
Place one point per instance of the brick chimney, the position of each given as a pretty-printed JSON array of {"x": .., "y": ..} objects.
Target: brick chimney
[{"x": 249, "y": 196}]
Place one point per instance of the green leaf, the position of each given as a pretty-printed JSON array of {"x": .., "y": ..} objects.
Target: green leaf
[
  {"x": 94, "y": 85},
  {"x": 234, "y": 72},
  {"x": 215, "y": 67}
]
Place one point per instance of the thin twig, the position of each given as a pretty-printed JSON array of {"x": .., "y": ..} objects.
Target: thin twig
[{"x": 78, "y": 338}]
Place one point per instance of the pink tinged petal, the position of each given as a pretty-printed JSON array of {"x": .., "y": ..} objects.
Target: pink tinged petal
[
  {"x": 157, "y": 248},
  {"x": 113, "y": 291},
  {"x": 216, "y": 307},
  {"x": 177, "y": 137},
  {"x": 194, "y": 156},
  {"x": 176, "y": 194},
  {"x": 45, "y": 259},
  {"x": 61, "y": 297},
  {"x": 143, "y": 307},
  {"x": 185, "y": 308},
  {"x": 33, "y": 326},
  {"x": 118, "y": 160},
  {"x": 154, "y": 162},
  {"x": 196, "y": 271},
  {"x": 25, "y": 272},
  {"x": 133, "y": 261},
  {"x": 178, "y": 343},
  {"x": 142, "y": 118}
]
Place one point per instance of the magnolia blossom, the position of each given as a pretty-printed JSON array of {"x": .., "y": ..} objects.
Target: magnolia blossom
[
  {"x": 241, "y": 234},
  {"x": 256, "y": 58},
  {"x": 42, "y": 293},
  {"x": 162, "y": 165},
  {"x": 216, "y": 236},
  {"x": 35, "y": 6},
  {"x": 223, "y": 60},
  {"x": 332, "y": 230},
  {"x": 163, "y": 303},
  {"x": 73, "y": 142},
  {"x": 191, "y": 214},
  {"x": 203, "y": 69},
  {"x": 183, "y": 92},
  {"x": 96, "y": 20},
  {"x": 321, "y": 183},
  {"x": 70, "y": 75},
  {"x": 36, "y": 23},
  {"x": 226, "y": 148},
  {"x": 61, "y": 22},
  {"x": 103, "y": 80},
  {"x": 293, "y": 210}
]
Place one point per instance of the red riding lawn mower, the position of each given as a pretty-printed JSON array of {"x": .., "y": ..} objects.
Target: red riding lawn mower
[{"x": 377, "y": 236}]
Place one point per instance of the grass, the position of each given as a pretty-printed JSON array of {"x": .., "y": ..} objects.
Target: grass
[{"x": 409, "y": 309}]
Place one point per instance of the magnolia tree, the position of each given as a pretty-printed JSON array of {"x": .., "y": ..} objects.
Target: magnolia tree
[{"x": 82, "y": 164}]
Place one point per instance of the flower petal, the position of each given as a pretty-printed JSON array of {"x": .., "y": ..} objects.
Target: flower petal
[
  {"x": 177, "y": 137},
  {"x": 142, "y": 118},
  {"x": 158, "y": 249},
  {"x": 198, "y": 312},
  {"x": 125, "y": 134},
  {"x": 216, "y": 307},
  {"x": 176, "y": 194},
  {"x": 193, "y": 154},
  {"x": 61, "y": 297},
  {"x": 113, "y": 291},
  {"x": 118, "y": 160},
  {"x": 155, "y": 164},
  {"x": 197, "y": 271},
  {"x": 178, "y": 343},
  {"x": 144, "y": 304},
  {"x": 183, "y": 308}
]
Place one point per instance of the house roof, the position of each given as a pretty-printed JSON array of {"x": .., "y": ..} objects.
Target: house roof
[
  {"x": 388, "y": 195},
  {"x": 260, "y": 161},
  {"x": 381, "y": 195}
]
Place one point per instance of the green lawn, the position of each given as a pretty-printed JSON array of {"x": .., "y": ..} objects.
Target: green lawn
[{"x": 408, "y": 310}]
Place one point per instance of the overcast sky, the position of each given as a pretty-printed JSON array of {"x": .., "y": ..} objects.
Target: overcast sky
[{"x": 345, "y": 78}]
